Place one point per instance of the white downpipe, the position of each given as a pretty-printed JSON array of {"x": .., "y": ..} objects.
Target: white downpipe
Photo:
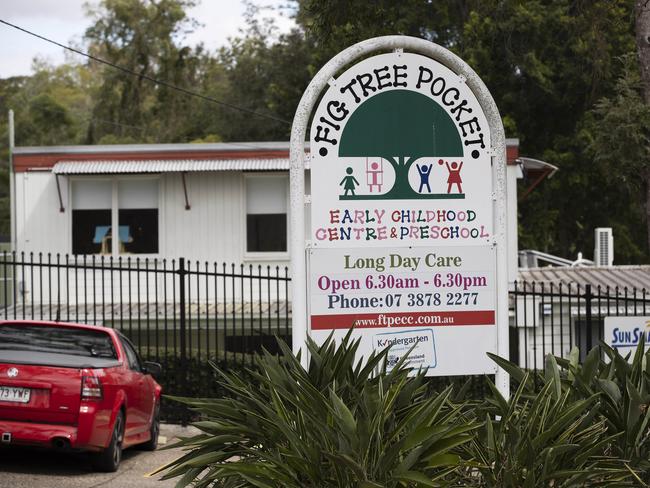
[{"x": 12, "y": 185}]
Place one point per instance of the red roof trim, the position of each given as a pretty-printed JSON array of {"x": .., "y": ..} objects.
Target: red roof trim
[{"x": 25, "y": 162}]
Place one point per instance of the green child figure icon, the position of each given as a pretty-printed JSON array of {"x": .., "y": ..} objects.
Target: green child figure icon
[{"x": 349, "y": 183}]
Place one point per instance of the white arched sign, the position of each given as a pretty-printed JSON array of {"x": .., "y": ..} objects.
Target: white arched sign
[{"x": 406, "y": 238}]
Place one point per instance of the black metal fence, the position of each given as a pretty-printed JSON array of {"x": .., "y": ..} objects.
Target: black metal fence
[
  {"x": 169, "y": 308},
  {"x": 188, "y": 310},
  {"x": 548, "y": 318}
]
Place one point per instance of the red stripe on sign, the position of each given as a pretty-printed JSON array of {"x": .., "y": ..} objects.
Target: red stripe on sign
[{"x": 403, "y": 319}]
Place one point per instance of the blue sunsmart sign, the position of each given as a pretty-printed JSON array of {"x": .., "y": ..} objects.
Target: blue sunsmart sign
[
  {"x": 628, "y": 338},
  {"x": 624, "y": 333}
]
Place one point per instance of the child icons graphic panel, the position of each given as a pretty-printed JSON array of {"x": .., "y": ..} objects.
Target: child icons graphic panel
[{"x": 424, "y": 178}]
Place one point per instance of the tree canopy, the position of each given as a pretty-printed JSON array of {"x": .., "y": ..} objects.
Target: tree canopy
[
  {"x": 418, "y": 127},
  {"x": 564, "y": 74}
]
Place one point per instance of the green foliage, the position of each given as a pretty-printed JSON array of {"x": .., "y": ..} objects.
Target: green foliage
[
  {"x": 266, "y": 73},
  {"x": 544, "y": 438},
  {"x": 550, "y": 65},
  {"x": 195, "y": 378},
  {"x": 338, "y": 423},
  {"x": 617, "y": 134},
  {"x": 146, "y": 38},
  {"x": 341, "y": 423},
  {"x": 547, "y": 63},
  {"x": 191, "y": 377},
  {"x": 624, "y": 390},
  {"x": 50, "y": 106},
  {"x": 588, "y": 424},
  {"x": 337, "y": 24},
  {"x": 620, "y": 128},
  {"x": 95, "y": 104}
]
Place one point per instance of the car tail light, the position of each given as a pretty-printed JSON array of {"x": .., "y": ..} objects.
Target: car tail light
[{"x": 91, "y": 388}]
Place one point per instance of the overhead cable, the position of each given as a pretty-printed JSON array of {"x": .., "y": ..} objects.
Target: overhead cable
[{"x": 148, "y": 78}]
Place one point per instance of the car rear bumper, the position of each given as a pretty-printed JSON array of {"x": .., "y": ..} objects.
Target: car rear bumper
[{"x": 42, "y": 435}]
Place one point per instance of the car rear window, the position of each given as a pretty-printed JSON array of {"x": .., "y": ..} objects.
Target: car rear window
[{"x": 57, "y": 340}]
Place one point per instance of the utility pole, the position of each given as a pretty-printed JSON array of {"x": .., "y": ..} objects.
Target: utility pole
[{"x": 12, "y": 182}]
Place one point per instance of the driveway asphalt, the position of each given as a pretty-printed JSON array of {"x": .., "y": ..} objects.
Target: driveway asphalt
[{"x": 36, "y": 468}]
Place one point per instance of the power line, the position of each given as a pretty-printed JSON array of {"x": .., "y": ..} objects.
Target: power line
[
  {"x": 148, "y": 78},
  {"x": 117, "y": 124},
  {"x": 94, "y": 119},
  {"x": 67, "y": 110}
]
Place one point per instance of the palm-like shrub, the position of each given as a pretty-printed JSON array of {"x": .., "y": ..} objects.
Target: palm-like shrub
[
  {"x": 544, "y": 437},
  {"x": 624, "y": 389},
  {"x": 340, "y": 423}
]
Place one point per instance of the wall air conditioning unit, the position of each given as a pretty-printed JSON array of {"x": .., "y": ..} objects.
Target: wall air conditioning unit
[{"x": 604, "y": 247}]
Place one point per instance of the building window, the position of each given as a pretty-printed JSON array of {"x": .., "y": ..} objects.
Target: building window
[
  {"x": 266, "y": 214},
  {"x": 91, "y": 217},
  {"x": 138, "y": 216},
  {"x": 99, "y": 206}
]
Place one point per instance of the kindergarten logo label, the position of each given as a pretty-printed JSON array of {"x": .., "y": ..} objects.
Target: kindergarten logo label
[{"x": 423, "y": 352}]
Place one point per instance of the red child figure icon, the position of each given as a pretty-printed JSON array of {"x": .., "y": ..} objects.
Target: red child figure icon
[
  {"x": 375, "y": 174},
  {"x": 454, "y": 175}
]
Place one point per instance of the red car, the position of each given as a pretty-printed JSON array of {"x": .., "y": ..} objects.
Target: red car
[{"x": 73, "y": 386}]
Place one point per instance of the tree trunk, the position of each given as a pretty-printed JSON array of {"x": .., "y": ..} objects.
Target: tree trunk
[
  {"x": 647, "y": 203},
  {"x": 642, "y": 29},
  {"x": 401, "y": 188}
]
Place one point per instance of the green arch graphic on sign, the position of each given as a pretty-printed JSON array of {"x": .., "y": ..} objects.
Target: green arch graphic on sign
[{"x": 401, "y": 127}]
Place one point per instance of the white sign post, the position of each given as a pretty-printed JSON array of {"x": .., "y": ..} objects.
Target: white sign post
[{"x": 407, "y": 232}]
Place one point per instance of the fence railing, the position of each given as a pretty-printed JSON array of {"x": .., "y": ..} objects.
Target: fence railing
[
  {"x": 177, "y": 307},
  {"x": 548, "y": 318},
  {"x": 223, "y": 311}
]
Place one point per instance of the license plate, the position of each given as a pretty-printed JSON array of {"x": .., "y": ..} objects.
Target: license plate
[{"x": 14, "y": 394}]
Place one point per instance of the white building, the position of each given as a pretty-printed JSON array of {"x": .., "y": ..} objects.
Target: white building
[
  {"x": 216, "y": 202},
  {"x": 555, "y": 308},
  {"x": 225, "y": 202}
]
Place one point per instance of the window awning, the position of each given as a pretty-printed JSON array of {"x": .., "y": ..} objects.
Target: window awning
[
  {"x": 167, "y": 166},
  {"x": 533, "y": 171}
]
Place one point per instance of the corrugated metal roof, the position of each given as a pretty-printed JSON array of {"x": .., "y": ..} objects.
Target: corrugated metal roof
[
  {"x": 616, "y": 276},
  {"x": 167, "y": 166},
  {"x": 144, "y": 148}
]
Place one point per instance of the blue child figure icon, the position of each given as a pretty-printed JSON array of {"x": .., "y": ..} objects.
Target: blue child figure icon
[
  {"x": 349, "y": 182},
  {"x": 424, "y": 171}
]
